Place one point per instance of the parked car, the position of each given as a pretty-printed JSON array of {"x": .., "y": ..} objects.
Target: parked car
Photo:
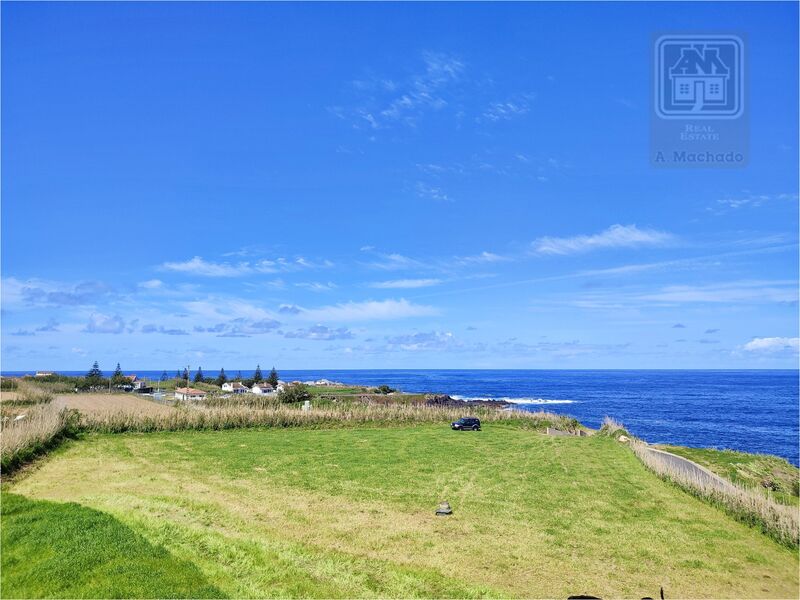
[{"x": 466, "y": 424}]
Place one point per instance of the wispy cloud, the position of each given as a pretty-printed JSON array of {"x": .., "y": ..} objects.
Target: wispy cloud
[
  {"x": 430, "y": 192},
  {"x": 405, "y": 283},
  {"x": 728, "y": 292},
  {"x": 616, "y": 236},
  {"x": 368, "y": 311},
  {"x": 749, "y": 200},
  {"x": 320, "y": 333},
  {"x": 205, "y": 268},
  {"x": 503, "y": 111}
]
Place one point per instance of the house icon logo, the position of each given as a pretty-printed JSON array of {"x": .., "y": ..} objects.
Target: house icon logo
[{"x": 699, "y": 77}]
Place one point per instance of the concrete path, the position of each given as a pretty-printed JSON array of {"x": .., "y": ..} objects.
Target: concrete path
[{"x": 694, "y": 470}]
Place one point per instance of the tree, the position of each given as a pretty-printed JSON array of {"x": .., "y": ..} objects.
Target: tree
[
  {"x": 385, "y": 389},
  {"x": 118, "y": 378},
  {"x": 198, "y": 377},
  {"x": 238, "y": 376},
  {"x": 94, "y": 378},
  {"x": 185, "y": 375},
  {"x": 272, "y": 378},
  {"x": 221, "y": 378},
  {"x": 178, "y": 374},
  {"x": 257, "y": 375},
  {"x": 164, "y": 376},
  {"x": 294, "y": 393},
  {"x": 94, "y": 372}
]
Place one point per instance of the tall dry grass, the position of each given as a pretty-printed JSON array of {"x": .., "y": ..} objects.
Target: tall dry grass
[
  {"x": 779, "y": 521},
  {"x": 28, "y": 394},
  {"x": 290, "y": 416},
  {"x": 39, "y": 428},
  {"x": 611, "y": 426}
]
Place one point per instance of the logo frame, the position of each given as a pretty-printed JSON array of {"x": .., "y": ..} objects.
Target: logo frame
[{"x": 664, "y": 79}]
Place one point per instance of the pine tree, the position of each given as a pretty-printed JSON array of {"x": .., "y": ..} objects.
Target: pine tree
[
  {"x": 238, "y": 376},
  {"x": 221, "y": 378},
  {"x": 272, "y": 378},
  {"x": 118, "y": 378},
  {"x": 94, "y": 377},
  {"x": 257, "y": 375},
  {"x": 185, "y": 375},
  {"x": 164, "y": 376},
  {"x": 198, "y": 377},
  {"x": 178, "y": 374}
]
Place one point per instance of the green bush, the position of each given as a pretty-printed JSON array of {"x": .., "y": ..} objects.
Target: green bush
[{"x": 294, "y": 393}]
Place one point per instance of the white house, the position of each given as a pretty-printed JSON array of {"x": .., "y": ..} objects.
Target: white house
[
  {"x": 236, "y": 387},
  {"x": 262, "y": 387},
  {"x": 188, "y": 393}
]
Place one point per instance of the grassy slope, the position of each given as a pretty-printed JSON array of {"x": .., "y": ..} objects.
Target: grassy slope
[
  {"x": 747, "y": 469},
  {"x": 350, "y": 513},
  {"x": 112, "y": 561}
]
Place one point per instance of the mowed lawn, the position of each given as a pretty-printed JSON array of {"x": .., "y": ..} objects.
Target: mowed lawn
[{"x": 350, "y": 513}]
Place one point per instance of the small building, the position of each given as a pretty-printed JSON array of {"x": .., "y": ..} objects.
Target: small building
[
  {"x": 262, "y": 387},
  {"x": 190, "y": 394},
  {"x": 235, "y": 387},
  {"x": 44, "y": 373}
]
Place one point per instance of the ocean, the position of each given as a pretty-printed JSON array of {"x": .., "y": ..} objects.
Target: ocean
[{"x": 748, "y": 410}]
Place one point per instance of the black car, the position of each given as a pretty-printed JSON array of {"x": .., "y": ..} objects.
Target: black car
[{"x": 466, "y": 424}]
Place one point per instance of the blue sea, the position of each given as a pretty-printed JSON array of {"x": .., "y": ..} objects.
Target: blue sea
[{"x": 749, "y": 410}]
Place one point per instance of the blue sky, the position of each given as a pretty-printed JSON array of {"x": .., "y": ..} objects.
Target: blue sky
[{"x": 385, "y": 186}]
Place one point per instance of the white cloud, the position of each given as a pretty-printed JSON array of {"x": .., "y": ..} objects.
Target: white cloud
[
  {"x": 316, "y": 286},
  {"x": 753, "y": 200},
  {"x": 151, "y": 284},
  {"x": 368, "y": 311},
  {"x": 199, "y": 266},
  {"x": 729, "y": 292},
  {"x": 616, "y": 236},
  {"x": 770, "y": 345},
  {"x": 482, "y": 258},
  {"x": 406, "y": 283},
  {"x": 430, "y": 192},
  {"x": 320, "y": 333},
  {"x": 504, "y": 111},
  {"x": 100, "y": 323},
  {"x": 392, "y": 262}
]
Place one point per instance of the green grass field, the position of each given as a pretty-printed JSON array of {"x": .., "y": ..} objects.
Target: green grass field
[{"x": 350, "y": 512}]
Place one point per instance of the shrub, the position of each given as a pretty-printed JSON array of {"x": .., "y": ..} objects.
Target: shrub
[
  {"x": 385, "y": 389},
  {"x": 8, "y": 385},
  {"x": 294, "y": 393},
  {"x": 613, "y": 428}
]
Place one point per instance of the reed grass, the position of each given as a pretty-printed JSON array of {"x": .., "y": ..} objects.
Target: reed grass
[
  {"x": 38, "y": 430},
  {"x": 200, "y": 418},
  {"x": 780, "y": 522},
  {"x": 612, "y": 427}
]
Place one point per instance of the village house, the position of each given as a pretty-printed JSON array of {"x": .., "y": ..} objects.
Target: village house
[
  {"x": 235, "y": 387},
  {"x": 262, "y": 388},
  {"x": 191, "y": 394}
]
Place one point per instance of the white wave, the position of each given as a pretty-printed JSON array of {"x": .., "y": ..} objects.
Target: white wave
[{"x": 513, "y": 400}]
